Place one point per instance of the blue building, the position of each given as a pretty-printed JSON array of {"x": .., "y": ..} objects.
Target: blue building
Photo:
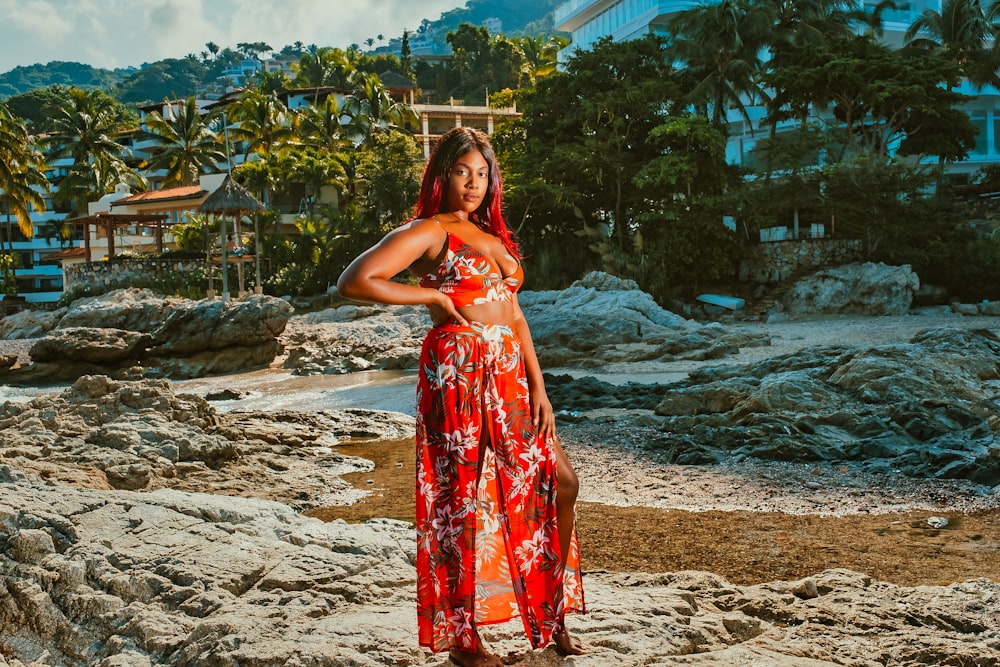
[{"x": 588, "y": 21}]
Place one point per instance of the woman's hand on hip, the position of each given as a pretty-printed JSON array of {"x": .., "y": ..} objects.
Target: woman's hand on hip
[{"x": 442, "y": 310}]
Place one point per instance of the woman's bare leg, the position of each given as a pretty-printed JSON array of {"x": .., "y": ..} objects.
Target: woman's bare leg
[{"x": 566, "y": 491}]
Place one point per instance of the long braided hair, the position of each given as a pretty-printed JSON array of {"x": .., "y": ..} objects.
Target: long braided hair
[{"x": 452, "y": 145}]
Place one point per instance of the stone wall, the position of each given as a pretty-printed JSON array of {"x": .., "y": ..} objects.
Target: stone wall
[
  {"x": 128, "y": 271},
  {"x": 777, "y": 261}
]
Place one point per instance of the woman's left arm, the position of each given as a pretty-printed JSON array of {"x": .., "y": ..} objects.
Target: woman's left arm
[{"x": 541, "y": 409}]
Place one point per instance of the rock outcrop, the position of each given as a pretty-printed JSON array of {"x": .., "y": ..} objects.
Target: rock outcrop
[
  {"x": 355, "y": 338},
  {"x": 927, "y": 408},
  {"x": 111, "y": 434},
  {"x": 132, "y": 534},
  {"x": 134, "y": 333},
  {"x": 860, "y": 289},
  {"x": 598, "y": 320},
  {"x": 603, "y": 319}
]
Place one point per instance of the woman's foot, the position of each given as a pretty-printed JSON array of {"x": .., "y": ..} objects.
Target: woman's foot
[
  {"x": 567, "y": 645},
  {"x": 480, "y": 658}
]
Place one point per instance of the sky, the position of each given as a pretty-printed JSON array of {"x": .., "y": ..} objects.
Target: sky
[{"x": 128, "y": 33}]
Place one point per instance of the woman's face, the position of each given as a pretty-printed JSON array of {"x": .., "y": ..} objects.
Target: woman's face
[{"x": 467, "y": 182}]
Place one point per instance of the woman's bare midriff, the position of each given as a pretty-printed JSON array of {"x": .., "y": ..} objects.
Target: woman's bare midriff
[{"x": 497, "y": 312}]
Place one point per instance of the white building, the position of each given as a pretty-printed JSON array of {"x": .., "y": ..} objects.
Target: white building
[{"x": 591, "y": 20}]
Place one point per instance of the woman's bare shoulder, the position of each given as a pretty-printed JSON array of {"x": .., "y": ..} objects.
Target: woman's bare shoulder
[{"x": 420, "y": 227}]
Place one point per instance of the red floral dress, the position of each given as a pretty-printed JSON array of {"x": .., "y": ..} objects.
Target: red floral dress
[{"x": 487, "y": 542}]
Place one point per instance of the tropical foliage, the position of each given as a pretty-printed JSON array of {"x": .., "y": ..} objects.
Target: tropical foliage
[
  {"x": 618, "y": 161},
  {"x": 86, "y": 129},
  {"x": 22, "y": 175},
  {"x": 185, "y": 146}
]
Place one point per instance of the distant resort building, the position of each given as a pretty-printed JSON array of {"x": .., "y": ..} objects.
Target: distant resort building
[{"x": 591, "y": 20}]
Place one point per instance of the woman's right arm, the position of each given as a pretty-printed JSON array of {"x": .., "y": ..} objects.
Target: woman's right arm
[{"x": 368, "y": 277}]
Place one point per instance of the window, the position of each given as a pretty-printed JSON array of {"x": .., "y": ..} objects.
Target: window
[{"x": 978, "y": 119}]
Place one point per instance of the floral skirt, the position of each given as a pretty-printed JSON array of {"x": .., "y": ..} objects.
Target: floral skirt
[{"x": 487, "y": 542}]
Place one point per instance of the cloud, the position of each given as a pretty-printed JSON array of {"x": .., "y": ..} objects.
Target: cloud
[{"x": 123, "y": 33}]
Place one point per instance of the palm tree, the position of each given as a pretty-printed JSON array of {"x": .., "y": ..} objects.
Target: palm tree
[
  {"x": 22, "y": 174},
  {"x": 186, "y": 146},
  {"x": 965, "y": 33},
  {"x": 372, "y": 110},
  {"x": 85, "y": 128},
  {"x": 263, "y": 121},
  {"x": 796, "y": 23},
  {"x": 316, "y": 169},
  {"x": 265, "y": 124},
  {"x": 320, "y": 126},
  {"x": 540, "y": 53},
  {"x": 720, "y": 44}
]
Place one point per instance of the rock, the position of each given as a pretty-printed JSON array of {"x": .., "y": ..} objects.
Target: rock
[
  {"x": 864, "y": 289},
  {"x": 105, "y": 433},
  {"x": 133, "y": 333},
  {"x": 970, "y": 309},
  {"x": 351, "y": 338},
  {"x": 31, "y": 546},
  {"x": 991, "y": 308},
  {"x": 29, "y": 323},
  {"x": 926, "y": 408},
  {"x": 102, "y": 577},
  {"x": 80, "y": 345},
  {"x": 603, "y": 319},
  {"x": 599, "y": 320},
  {"x": 208, "y": 325},
  {"x": 225, "y": 395},
  {"x": 129, "y": 309}
]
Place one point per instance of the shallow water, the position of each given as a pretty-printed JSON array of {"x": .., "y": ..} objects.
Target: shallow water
[{"x": 275, "y": 389}]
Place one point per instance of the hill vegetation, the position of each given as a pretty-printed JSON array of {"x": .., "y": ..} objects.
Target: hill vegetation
[
  {"x": 187, "y": 75},
  {"x": 58, "y": 73}
]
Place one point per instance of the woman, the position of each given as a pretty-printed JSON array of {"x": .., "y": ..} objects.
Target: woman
[{"x": 496, "y": 533}]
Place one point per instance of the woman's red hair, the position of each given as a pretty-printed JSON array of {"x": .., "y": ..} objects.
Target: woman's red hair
[{"x": 452, "y": 145}]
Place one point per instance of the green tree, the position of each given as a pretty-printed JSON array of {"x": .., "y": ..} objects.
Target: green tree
[
  {"x": 319, "y": 125},
  {"x": 570, "y": 162},
  {"x": 373, "y": 111},
  {"x": 185, "y": 146},
  {"x": 720, "y": 45},
  {"x": 482, "y": 62},
  {"x": 86, "y": 129},
  {"x": 262, "y": 121},
  {"x": 681, "y": 237},
  {"x": 22, "y": 175},
  {"x": 175, "y": 78},
  {"x": 875, "y": 200},
  {"x": 540, "y": 54},
  {"x": 405, "y": 57},
  {"x": 880, "y": 100},
  {"x": 253, "y": 50},
  {"x": 38, "y": 107},
  {"x": 963, "y": 32},
  {"x": 388, "y": 176},
  {"x": 322, "y": 67}
]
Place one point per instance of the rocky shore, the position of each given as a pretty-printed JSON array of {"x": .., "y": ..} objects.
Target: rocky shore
[{"x": 140, "y": 525}]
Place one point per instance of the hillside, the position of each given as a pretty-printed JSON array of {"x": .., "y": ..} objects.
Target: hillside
[
  {"x": 23, "y": 79},
  {"x": 181, "y": 76}
]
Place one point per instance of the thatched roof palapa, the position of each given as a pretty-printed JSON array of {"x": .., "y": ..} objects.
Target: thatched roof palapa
[{"x": 230, "y": 198}]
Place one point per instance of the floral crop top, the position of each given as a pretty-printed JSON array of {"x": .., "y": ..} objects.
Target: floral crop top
[{"x": 469, "y": 277}]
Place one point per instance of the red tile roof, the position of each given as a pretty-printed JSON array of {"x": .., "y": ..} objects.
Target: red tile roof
[
  {"x": 185, "y": 192},
  {"x": 68, "y": 253}
]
